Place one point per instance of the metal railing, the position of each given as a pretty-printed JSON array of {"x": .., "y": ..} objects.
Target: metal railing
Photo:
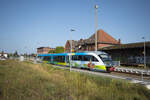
[{"x": 116, "y": 63}]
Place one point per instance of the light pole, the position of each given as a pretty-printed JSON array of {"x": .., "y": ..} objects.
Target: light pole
[
  {"x": 96, "y": 7},
  {"x": 71, "y": 50},
  {"x": 144, "y": 53},
  {"x": 144, "y": 56}
]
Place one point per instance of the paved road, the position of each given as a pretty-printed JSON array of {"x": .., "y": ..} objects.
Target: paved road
[{"x": 131, "y": 79}]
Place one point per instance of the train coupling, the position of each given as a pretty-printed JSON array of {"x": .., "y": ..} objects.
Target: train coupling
[{"x": 110, "y": 69}]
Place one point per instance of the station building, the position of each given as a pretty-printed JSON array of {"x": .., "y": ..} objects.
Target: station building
[
  {"x": 103, "y": 40},
  {"x": 127, "y": 54}
]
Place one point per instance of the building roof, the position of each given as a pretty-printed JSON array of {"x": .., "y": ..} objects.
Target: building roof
[
  {"x": 45, "y": 47},
  {"x": 103, "y": 37},
  {"x": 2, "y": 52},
  {"x": 42, "y": 47},
  {"x": 126, "y": 46}
]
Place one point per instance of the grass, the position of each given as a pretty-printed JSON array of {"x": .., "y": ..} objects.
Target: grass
[{"x": 28, "y": 81}]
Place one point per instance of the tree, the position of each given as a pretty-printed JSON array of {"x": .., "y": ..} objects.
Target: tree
[
  {"x": 51, "y": 51},
  {"x": 59, "y": 49},
  {"x": 25, "y": 54},
  {"x": 16, "y": 54},
  {"x": 33, "y": 55},
  {"x": 10, "y": 55}
]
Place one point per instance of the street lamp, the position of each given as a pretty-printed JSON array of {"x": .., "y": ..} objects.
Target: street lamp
[
  {"x": 71, "y": 39},
  {"x": 96, "y": 7},
  {"x": 71, "y": 50},
  {"x": 144, "y": 53},
  {"x": 144, "y": 56}
]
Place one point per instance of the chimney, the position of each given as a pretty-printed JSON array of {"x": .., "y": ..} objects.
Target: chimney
[
  {"x": 81, "y": 39},
  {"x": 119, "y": 41}
]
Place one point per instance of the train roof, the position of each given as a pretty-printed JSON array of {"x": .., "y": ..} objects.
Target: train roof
[
  {"x": 55, "y": 54},
  {"x": 76, "y": 53},
  {"x": 96, "y": 52}
]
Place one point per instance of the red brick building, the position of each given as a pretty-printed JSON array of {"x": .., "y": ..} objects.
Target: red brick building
[
  {"x": 44, "y": 50},
  {"x": 103, "y": 40},
  {"x": 68, "y": 45}
]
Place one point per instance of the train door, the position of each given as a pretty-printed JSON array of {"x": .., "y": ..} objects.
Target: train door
[
  {"x": 67, "y": 60},
  {"x": 90, "y": 61}
]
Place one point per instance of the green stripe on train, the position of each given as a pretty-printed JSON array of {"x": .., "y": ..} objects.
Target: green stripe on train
[
  {"x": 101, "y": 67},
  {"x": 60, "y": 63}
]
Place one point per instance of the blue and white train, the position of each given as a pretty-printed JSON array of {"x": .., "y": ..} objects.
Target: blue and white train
[{"x": 100, "y": 61}]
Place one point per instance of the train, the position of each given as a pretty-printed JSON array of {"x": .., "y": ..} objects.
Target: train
[{"x": 96, "y": 60}]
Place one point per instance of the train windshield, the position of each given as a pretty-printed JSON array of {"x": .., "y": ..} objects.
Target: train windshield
[{"x": 105, "y": 57}]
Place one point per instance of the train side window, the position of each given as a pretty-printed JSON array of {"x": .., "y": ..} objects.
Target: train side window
[
  {"x": 63, "y": 58},
  {"x": 94, "y": 59},
  {"x": 67, "y": 59},
  {"x": 44, "y": 58},
  {"x": 47, "y": 58},
  {"x": 50, "y": 58},
  {"x": 74, "y": 57},
  {"x": 56, "y": 58},
  {"x": 86, "y": 58},
  {"x": 80, "y": 57}
]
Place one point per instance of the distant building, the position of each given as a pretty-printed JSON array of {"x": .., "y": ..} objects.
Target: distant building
[
  {"x": 44, "y": 50},
  {"x": 103, "y": 40},
  {"x": 3, "y": 55}
]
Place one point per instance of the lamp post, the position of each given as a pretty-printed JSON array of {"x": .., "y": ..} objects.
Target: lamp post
[
  {"x": 96, "y": 7},
  {"x": 71, "y": 49},
  {"x": 144, "y": 56},
  {"x": 144, "y": 53}
]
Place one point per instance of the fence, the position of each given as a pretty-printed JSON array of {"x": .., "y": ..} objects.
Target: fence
[{"x": 116, "y": 63}]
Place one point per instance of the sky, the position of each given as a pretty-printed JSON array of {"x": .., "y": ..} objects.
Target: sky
[{"x": 28, "y": 24}]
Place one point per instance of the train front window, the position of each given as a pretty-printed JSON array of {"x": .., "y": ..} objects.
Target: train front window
[{"x": 105, "y": 57}]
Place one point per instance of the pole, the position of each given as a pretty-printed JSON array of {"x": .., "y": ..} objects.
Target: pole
[
  {"x": 71, "y": 56},
  {"x": 144, "y": 52},
  {"x": 142, "y": 74},
  {"x": 144, "y": 55},
  {"x": 96, "y": 7},
  {"x": 71, "y": 50}
]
